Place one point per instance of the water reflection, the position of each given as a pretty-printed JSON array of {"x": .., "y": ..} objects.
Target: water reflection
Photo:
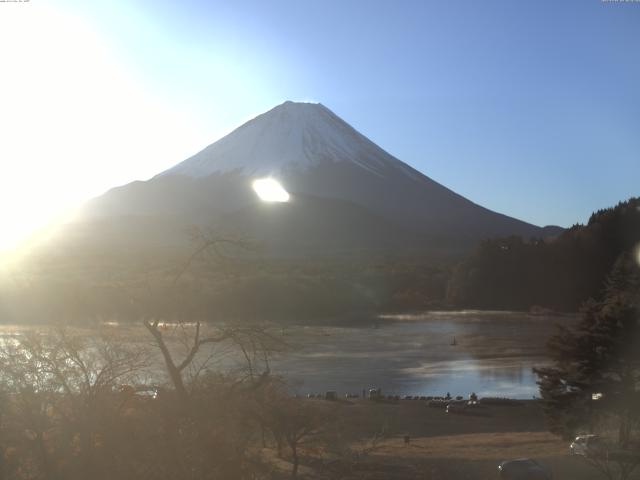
[{"x": 493, "y": 356}]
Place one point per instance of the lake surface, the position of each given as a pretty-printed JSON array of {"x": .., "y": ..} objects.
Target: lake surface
[{"x": 493, "y": 355}]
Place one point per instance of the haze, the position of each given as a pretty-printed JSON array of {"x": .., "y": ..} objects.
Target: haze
[{"x": 530, "y": 110}]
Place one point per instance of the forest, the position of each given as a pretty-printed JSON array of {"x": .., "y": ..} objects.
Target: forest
[
  {"x": 238, "y": 283},
  {"x": 559, "y": 274}
]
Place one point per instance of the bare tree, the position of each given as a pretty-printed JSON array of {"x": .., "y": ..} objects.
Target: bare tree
[
  {"x": 64, "y": 396},
  {"x": 252, "y": 342},
  {"x": 295, "y": 422},
  {"x": 614, "y": 465}
]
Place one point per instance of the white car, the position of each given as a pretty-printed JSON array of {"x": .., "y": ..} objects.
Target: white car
[{"x": 588, "y": 446}]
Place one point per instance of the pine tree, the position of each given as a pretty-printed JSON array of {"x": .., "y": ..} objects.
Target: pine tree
[{"x": 596, "y": 365}]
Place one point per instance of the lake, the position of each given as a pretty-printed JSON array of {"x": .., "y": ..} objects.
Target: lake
[{"x": 493, "y": 355}]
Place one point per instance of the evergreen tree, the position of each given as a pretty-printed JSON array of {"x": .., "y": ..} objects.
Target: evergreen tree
[
  {"x": 561, "y": 273},
  {"x": 596, "y": 365}
]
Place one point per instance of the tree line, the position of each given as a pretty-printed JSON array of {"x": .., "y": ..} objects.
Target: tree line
[
  {"x": 560, "y": 273},
  {"x": 593, "y": 384}
]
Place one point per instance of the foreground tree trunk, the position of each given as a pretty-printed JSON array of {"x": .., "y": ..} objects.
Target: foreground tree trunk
[
  {"x": 175, "y": 374},
  {"x": 296, "y": 460}
]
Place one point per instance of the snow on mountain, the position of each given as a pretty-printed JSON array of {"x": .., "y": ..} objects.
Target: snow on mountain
[
  {"x": 347, "y": 194},
  {"x": 291, "y": 136}
]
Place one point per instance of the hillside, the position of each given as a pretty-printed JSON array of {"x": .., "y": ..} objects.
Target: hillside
[
  {"x": 511, "y": 273},
  {"x": 347, "y": 195}
]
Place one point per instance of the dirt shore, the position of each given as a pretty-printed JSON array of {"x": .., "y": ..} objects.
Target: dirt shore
[{"x": 442, "y": 446}]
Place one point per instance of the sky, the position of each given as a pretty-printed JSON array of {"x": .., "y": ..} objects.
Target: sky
[{"x": 529, "y": 108}]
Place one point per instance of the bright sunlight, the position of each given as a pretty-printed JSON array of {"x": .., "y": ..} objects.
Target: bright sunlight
[
  {"x": 74, "y": 121},
  {"x": 270, "y": 190}
]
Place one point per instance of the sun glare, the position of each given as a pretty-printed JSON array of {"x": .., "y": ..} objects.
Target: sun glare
[
  {"x": 270, "y": 190},
  {"x": 75, "y": 121}
]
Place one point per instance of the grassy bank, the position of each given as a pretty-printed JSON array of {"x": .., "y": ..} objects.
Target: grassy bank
[{"x": 442, "y": 446}]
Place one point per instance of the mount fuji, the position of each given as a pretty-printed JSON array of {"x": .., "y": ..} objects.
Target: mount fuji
[
  {"x": 347, "y": 195},
  {"x": 290, "y": 137}
]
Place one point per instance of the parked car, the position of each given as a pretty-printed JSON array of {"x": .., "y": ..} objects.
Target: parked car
[
  {"x": 588, "y": 446},
  {"x": 524, "y": 469}
]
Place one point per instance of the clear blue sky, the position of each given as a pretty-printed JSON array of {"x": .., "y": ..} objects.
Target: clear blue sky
[{"x": 530, "y": 108}]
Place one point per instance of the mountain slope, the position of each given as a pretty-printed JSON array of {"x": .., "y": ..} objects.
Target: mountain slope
[
  {"x": 291, "y": 136},
  {"x": 322, "y": 161}
]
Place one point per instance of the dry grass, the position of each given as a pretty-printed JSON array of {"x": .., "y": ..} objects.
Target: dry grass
[
  {"x": 444, "y": 446},
  {"x": 477, "y": 446}
]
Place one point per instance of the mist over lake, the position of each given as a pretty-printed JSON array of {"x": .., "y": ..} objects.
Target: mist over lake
[
  {"x": 413, "y": 355},
  {"x": 493, "y": 355}
]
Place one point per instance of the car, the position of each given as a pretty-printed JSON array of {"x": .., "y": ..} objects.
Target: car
[
  {"x": 588, "y": 446},
  {"x": 524, "y": 469}
]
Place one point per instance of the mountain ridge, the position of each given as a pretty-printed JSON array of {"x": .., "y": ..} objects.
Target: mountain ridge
[
  {"x": 317, "y": 155},
  {"x": 290, "y": 135}
]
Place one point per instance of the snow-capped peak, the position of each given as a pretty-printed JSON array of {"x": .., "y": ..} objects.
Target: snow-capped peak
[{"x": 290, "y": 136}]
